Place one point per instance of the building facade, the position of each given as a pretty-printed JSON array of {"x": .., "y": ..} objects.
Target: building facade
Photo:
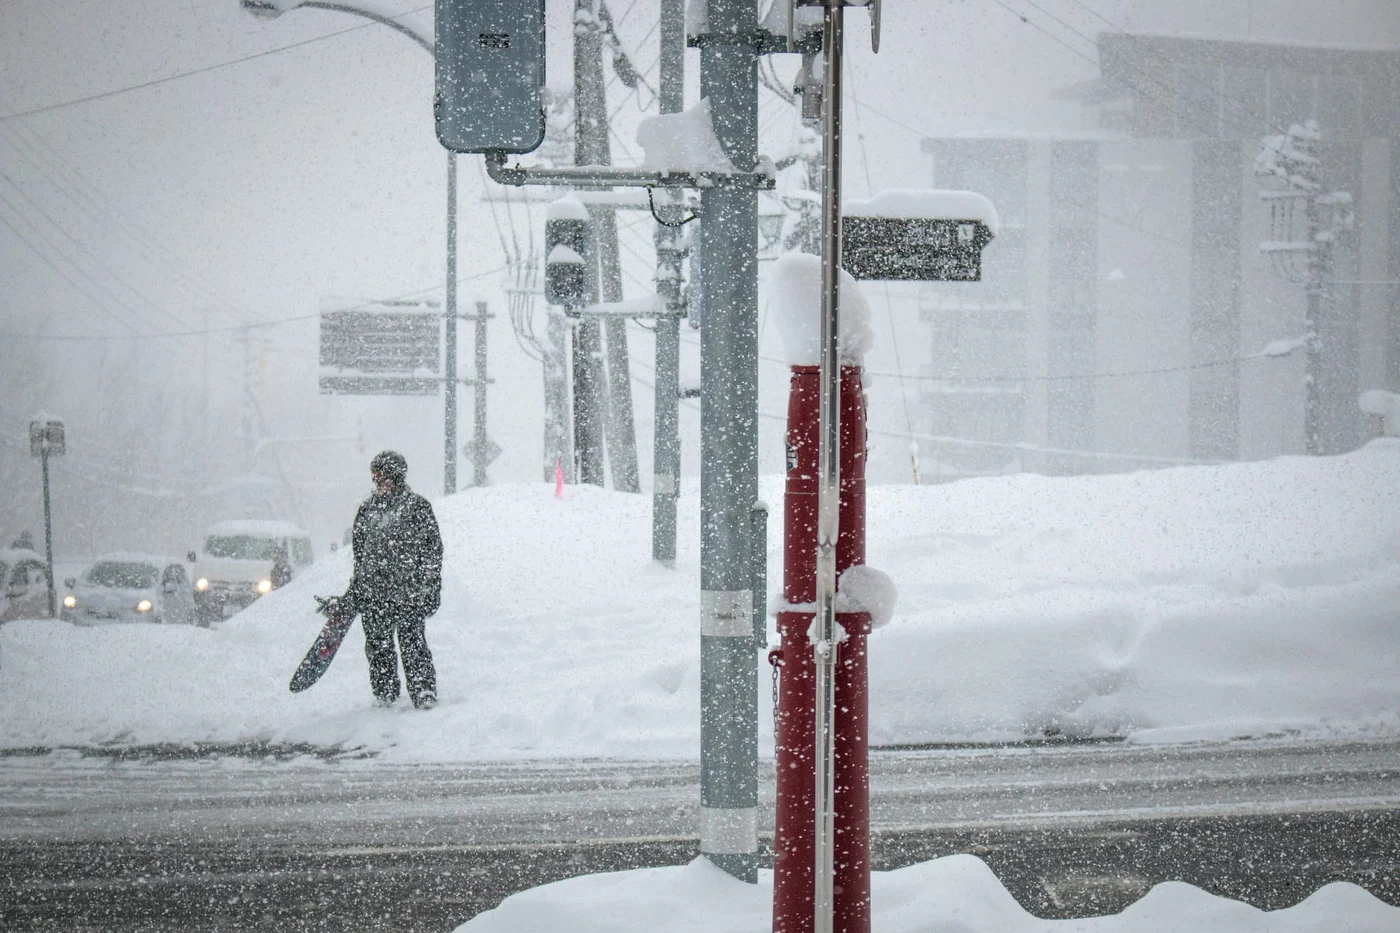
[{"x": 1127, "y": 314}]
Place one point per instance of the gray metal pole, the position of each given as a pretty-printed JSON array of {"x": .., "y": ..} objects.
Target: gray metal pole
[
  {"x": 828, "y": 470},
  {"x": 670, "y": 249},
  {"x": 449, "y": 398},
  {"x": 729, "y": 454},
  {"x": 48, "y": 531},
  {"x": 591, "y": 127},
  {"x": 479, "y": 439}
]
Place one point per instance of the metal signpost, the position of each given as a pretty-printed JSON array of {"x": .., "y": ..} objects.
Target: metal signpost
[
  {"x": 890, "y": 248},
  {"x": 271, "y": 9},
  {"x": 828, "y": 468},
  {"x": 728, "y": 47},
  {"x": 46, "y": 439}
]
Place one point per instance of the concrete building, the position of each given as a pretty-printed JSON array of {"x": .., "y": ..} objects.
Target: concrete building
[{"x": 1127, "y": 316}]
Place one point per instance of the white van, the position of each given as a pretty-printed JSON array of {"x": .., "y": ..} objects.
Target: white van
[{"x": 242, "y": 560}]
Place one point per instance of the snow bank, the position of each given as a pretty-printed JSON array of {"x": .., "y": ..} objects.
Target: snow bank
[
  {"x": 926, "y": 204},
  {"x": 682, "y": 142},
  {"x": 1174, "y": 605},
  {"x": 956, "y": 894},
  {"x": 795, "y": 301}
]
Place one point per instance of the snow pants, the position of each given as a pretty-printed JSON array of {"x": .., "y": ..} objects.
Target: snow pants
[{"x": 381, "y": 625}]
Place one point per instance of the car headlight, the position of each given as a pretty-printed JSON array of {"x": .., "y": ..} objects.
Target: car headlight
[
  {"x": 264, "y": 586},
  {"x": 201, "y": 584},
  {"x": 70, "y": 602},
  {"x": 143, "y": 606}
]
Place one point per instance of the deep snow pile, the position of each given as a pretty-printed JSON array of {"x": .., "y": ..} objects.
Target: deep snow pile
[
  {"x": 957, "y": 894},
  {"x": 1191, "y": 603}
]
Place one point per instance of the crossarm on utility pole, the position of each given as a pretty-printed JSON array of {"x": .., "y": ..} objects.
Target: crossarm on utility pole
[{"x": 607, "y": 176}]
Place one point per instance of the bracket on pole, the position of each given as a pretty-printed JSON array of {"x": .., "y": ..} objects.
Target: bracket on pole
[
  {"x": 645, "y": 308},
  {"x": 607, "y": 176}
]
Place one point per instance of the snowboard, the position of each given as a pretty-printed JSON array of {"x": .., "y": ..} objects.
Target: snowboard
[{"x": 322, "y": 653}]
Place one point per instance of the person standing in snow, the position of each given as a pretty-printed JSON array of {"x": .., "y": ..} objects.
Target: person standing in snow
[{"x": 397, "y": 582}]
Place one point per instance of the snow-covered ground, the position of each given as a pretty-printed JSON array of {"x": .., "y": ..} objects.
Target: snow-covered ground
[
  {"x": 958, "y": 894},
  {"x": 1174, "y": 605}
]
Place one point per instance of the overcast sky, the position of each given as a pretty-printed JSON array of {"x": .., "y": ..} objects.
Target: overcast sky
[{"x": 177, "y": 165}]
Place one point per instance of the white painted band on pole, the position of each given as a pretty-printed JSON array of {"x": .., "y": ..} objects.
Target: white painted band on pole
[
  {"x": 728, "y": 831},
  {"x": 726, "y": 613},
  {"x": 664, "y": 484}
]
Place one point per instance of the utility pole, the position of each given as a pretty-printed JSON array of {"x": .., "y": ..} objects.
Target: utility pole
[
  {"x": 449, "y": 385},
  {"x": 587, "y": 335},
  {"x": 670, "y": 250},
  {"x": 591, "y": 147},
  {"x": 558, "y": 445},
  {"x": 729, "y": 452},
  {"x": 1292, "y": 157}
]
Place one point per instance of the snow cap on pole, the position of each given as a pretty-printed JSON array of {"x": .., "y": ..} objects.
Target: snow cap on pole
[{"x": 795, "y": 301}]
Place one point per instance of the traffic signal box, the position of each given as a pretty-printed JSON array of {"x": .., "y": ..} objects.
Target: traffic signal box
[{"x": 490, "y": 70}]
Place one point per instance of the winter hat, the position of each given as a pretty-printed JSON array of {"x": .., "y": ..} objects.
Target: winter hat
[{"x": 391, "y": 465}]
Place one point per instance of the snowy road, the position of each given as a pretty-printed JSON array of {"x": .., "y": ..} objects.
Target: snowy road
[{"x": 119, "y": 844}]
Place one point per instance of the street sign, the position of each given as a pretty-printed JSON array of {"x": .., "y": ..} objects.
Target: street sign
[
  {"x": 913, "y": 249},
  {"x": 917, "y": 235},
  {"x": 489, "y": 452},
  {"x": 490, "y": 71},
  {"x": 46, "y": 437},
  {"x": 380, "y": 347}
]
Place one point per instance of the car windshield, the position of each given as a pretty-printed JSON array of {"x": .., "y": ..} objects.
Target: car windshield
[
  {"x": 241, "y": 547},
  {"x": 131, "y": 576}
]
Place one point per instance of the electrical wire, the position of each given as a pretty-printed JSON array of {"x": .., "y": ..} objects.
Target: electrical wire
[
  {"x": 59, "y": 105},
  {"x": 91, "y": 257},
  {"x": 232, "y": 328},
  {"x": 952, "y": 441},
  {"x": 98, "y": 302}
]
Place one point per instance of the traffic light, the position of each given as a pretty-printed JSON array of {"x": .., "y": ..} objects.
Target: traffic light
[{"x": 568, "y": 245}]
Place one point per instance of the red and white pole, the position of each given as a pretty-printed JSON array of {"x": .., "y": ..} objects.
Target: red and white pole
[{"x": 795, "y": 719}]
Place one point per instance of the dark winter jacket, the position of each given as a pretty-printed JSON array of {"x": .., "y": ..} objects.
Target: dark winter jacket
[{"x": 398, "y": 555}]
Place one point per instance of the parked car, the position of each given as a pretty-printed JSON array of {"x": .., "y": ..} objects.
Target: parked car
[
  {"x": 24, "y": 585},
  {"x": 242, "y": 560},
  {"x": 130, "y": 588}
]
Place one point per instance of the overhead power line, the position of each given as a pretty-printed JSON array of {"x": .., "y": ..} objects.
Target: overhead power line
[
  {"x": 59, "y": 105},
  {"x": 256, "y": 325}
]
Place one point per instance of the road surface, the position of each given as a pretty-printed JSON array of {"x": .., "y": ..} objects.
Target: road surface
[{"x": 95, "y": 840}]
